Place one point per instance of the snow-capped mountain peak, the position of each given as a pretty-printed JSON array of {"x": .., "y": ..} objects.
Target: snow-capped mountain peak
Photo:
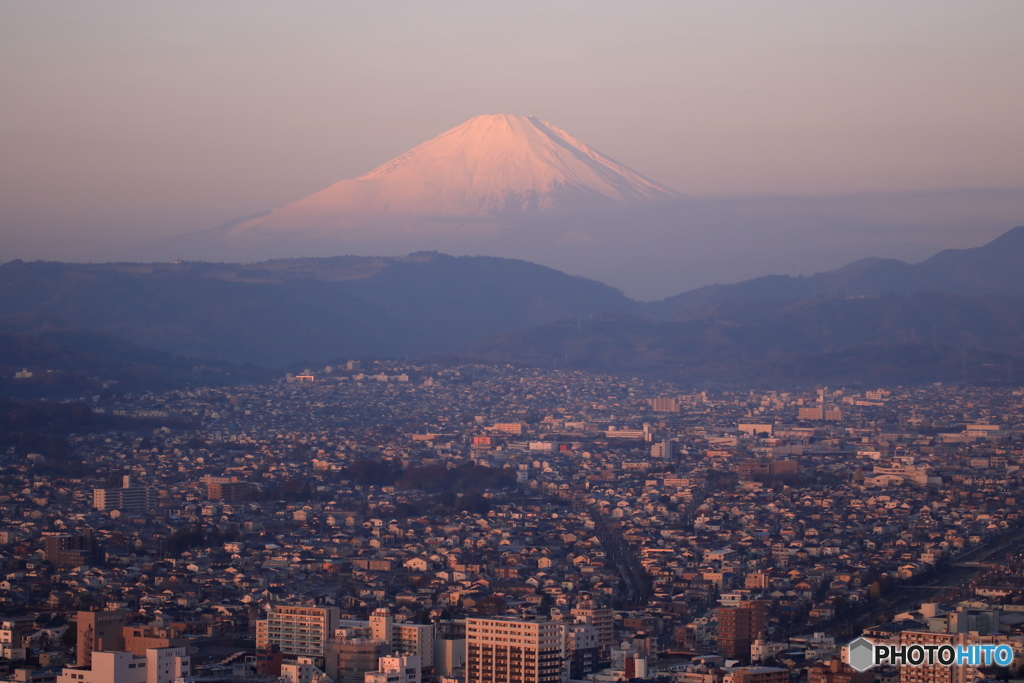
[{"x": 488, "y": 167}]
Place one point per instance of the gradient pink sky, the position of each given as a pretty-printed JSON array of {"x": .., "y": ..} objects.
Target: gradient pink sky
[{"x": 126, "y": 121}]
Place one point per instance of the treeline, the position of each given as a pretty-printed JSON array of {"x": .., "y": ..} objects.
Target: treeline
[
  {"x": 463, "y": 479},
  {"x": 466, "y": 478},
  {"x": 198, "y": 536}
]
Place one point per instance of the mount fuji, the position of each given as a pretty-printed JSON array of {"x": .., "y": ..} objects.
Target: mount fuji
[
  {"x": 488, "y": 169},
  {"x": 519, "y": 187},
  {"x": 467, "y": 188}
]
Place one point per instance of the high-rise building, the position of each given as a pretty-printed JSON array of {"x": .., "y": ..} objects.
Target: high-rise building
[
  {"x": 766, "y": 467},
  {"x": 128, "y": 497},
  {"x": 349, "y": 660},
  {"x": 228, "y": 489},
  {"x": 381, "y": 623},
  {"x": 811, "y": 413},
  {"x": 580, "y": 649},
  {"x": 71, "y": 550},
  {"x": 820, "y": 412},
  {"x": 99, "y": 631},
  {"x": 738, "y": 627},
  {"x": 665, "y": 405},
  {"x": 513, "y": 651},
  {"x": 663, "y": 449},
  {"x": 414, "y": 640},
  {"x": 449, "y": 655},
  {"x": 404, "y": 639},
  {"x": 297, "y": 630},
  {"x": 602, "y": 619}
]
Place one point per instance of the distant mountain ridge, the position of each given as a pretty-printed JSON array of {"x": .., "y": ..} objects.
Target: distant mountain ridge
[
  {"x": 884, "y": 339},
  {"x": 958, "y": 315},
  {"x": 954, "y": 317},
  {"x": 993, "y": 269},
  {"x": 286, "y": 311}
]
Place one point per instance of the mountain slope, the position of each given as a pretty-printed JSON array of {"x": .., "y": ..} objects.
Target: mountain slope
[
  {"x": 993, "y": 269},
  {"x": 889, "y": 339},
  {"x": 466, "y": 181},
  {"x": 281, "y": 312},
  {"x": 68, "y": 363}
]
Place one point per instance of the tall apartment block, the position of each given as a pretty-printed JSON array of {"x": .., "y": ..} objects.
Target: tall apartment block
[
  {"x": 71, "y": 550},
  {"x": 512, "y": 651},
  {"x": 98, "y": 631},
  {"x": 580, "y": 650},
  {"x": 297, "y": 630},
  {"x": 348, "y": 661},
  {"x": 227, "y": 489},
  {"x": 602, "y": 619},
  {"x": 404, "y": 639},
  {"x": 129, "y": 497},
  {"x": 739, "y": 627},
  {"x": 449, "y": 648}
]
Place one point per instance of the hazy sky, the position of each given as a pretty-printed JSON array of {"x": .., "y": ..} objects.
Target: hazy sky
[{"x": 133, "y": 120}]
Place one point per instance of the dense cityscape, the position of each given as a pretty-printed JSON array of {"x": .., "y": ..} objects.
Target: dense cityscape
[
  {"x": 511, "y": 342},
  {"x": 397, "y": 522}
]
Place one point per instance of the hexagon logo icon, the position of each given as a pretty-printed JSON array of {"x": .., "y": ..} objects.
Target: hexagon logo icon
[{"x": 861, "y": 654}]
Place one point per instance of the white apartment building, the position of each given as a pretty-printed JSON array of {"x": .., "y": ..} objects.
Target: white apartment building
[
  {"x": 405, "y": 639},
  {"x": 302, "y": 631}
]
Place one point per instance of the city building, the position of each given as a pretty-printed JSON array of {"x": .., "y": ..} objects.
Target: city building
[
  {"x": 513, "y": 651},
  {"x": 756, "y": 674},
  {"x": 396, "y": 669},
  {"x": 349, "y": 659},
  {"x": 99, "y": 631},
  {"x": 837, "y": 671},
  {"x": 139, "y": 639},
  {"x": 303, "y": 670},
  {"x": 602, "y": 619},
  {"x": 128, "y": 497},
  {"x": 71, "y": 550},
  {"x": 161, "y": 665},
  {"x": 297, "y": 630},
  {"x": 739, "y": 627},
  {"x": 580, "y": 649}
]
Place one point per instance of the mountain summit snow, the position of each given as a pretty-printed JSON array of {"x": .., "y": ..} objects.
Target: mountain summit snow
[
  {"x": 499, "y": 162},
  {"x": 486, "y": 170}
]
